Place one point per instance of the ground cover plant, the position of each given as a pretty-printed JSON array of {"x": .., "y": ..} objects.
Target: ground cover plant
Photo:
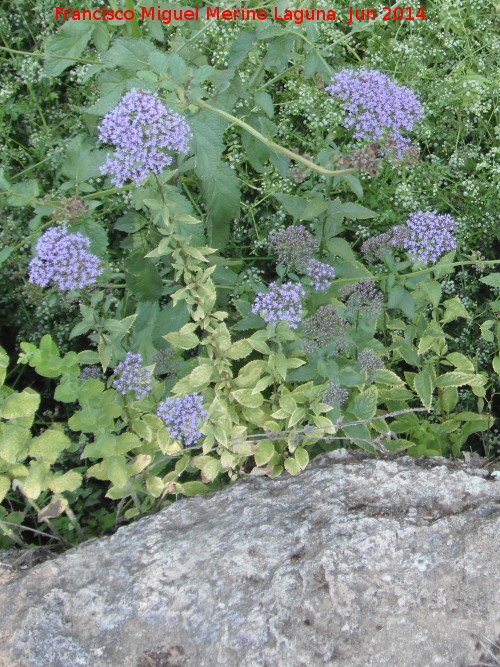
[{"x": 229, "y": 246}]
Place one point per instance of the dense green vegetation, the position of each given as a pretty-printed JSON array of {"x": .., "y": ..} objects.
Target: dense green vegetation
[{"x": 268, "y": 275}]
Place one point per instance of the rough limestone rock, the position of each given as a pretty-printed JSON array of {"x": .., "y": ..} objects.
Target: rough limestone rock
[{"x": 358, "y": 561}]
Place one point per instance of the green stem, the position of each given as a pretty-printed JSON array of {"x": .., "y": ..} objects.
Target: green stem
[
  {"x": 276, "y": 147},
  {"x": 136, "y": 29},
  {"x": 86, "y": 61}
]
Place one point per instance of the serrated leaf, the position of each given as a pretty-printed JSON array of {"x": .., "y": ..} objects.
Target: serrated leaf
[
  {"x": 265, "y": 102},
  {"x": 67, "y": 44},
  {"x": 423, "y": 387},
  {"x": 493, "y": 280},
  {"x": 240, "y": 349},
  {"x": 458, "y": 379},
  {"x": 460, "y": 361},
  {"x": 385, "y": 376},
  {"x": 246, "y": 398},
  {"x": 364, "y": 405}
]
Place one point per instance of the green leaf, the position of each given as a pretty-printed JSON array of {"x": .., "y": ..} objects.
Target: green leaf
[
  {"x": 292, "y": 466},
  {"x": 23, "y": 194},
  {"x": 302, "y": 457},
  {"x": 4, "y": 486},
  {"x": 20, "y": 405},
  {"x": 458, "y": 379},
  {"x": 454, "y": 309},
  {"x": 241, "y": 46},
  {"x": 265, "y": 451},
  {"x": 218, "y": 182},
  {"x": 460, "y": 361},
  {"x": 48, "y": 446},
  {"x": 37, "y": 480},
  {"x": 364, "y": 405},
  {"x": 449, "y": 399},
  {"x": 67, "y": 44},
  {"x": 184, "y": 339},
  {"x": 265, "y": 102},
  {"x": 246, "y": 398},
  {"x": 200, "y": 376},
  {"x": 493, "y": 280},
  {"x": 357, "y": 212},
  {"x": 385, "y": 376},
  {"x": 4, "y": 363},
  {"x": 69, "y": 481},
  {"x": 496, "y": 364},
  {"x": 240, "y": 349},
  {"x": 192, "y": 488},
  {"x": 424, "y": 388}
]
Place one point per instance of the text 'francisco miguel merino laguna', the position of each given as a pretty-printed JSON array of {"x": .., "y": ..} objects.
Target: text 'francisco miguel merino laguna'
[{"x": 298, "y": 16}]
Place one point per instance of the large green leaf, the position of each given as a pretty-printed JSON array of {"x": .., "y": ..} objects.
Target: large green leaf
[
  {"x": 66, "y": 45},
  {"x": 218, "y": 182}
]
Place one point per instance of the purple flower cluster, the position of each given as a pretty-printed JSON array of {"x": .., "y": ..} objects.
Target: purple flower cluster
[
  {"x": 370, "y": 363},
  {"x": 326, "y": 327},
  {"x": 363, "y": 298},
  {"x": 93, "y": 372},
  {"x": 376, "y": 247},
  {"x": 321, "y": 274},
  {"x": 64, "y": 259},
  {"x": 131, "y": 376},
  {"x": 430, "y": 235},
  {"x": 141, "y": 130},
  {"x": 294, "y": 246},
  {"x": 283, "y": 303},
  {"x": 335, "y": 395},
  {"x": 376, "y": 106},
  {"x": 183, "y": 417}
]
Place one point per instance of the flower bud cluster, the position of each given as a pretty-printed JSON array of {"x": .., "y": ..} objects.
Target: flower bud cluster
[
  {"x": 364, "y": 298},
  {"x": 370, "y": 363},
  {"x": 335, "y": 395},
  {"x": 321, "y": 274},
  {"x": 326, "y": 327}
]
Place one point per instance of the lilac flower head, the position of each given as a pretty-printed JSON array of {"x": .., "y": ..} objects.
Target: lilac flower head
[
  {"x": 326, "y": 327},
  {"x": 64, "y": 259},
  {"x": 183, "y": 417},
  {"x": 376, "y": 106},
  {"x": 142, "y": 130},
  {"x": 294, "y": 246},
  {"x": 283, "y": 303},
  {"x": 131, "y": 376},
  {"x": 376, "y": 247},
  {"x": 335, "y": 395},
  {"x": 363, "y": 297},
  {"x": 321, "y": 274},
  {"x": 430, "y": 236},
  {"x": 370, "y": 363}
]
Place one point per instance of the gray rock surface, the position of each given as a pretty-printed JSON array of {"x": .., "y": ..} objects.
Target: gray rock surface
[{"x": 357, "y": 561}]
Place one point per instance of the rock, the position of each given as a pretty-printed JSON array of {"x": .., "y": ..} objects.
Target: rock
[{"x": 358, "y": 561}]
